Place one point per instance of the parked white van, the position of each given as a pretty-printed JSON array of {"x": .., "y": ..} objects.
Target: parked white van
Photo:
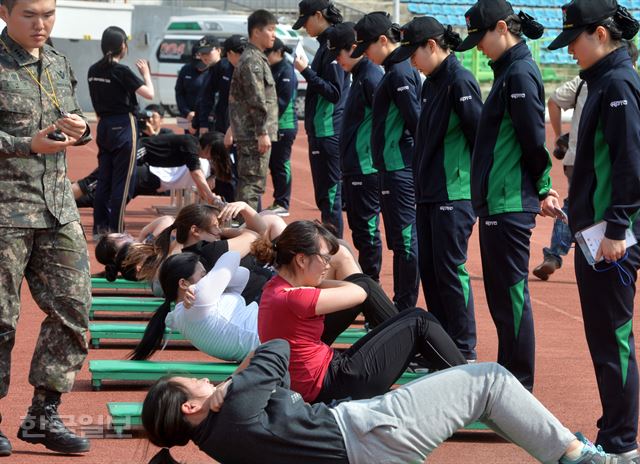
[{"x": 182, "y": 32}]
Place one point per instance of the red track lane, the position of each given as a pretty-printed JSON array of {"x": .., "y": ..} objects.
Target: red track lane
[{"x": 564, "y": 380}]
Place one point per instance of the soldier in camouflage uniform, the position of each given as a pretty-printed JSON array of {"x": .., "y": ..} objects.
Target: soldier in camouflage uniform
[
  {"x": 40, "y": 237},
  {"x": 253, "y": 109}
]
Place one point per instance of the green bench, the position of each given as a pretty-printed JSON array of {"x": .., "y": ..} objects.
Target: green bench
[
  {"x": 123, "y": 304},
  {"x": 118, "y": 284},
  {"x": 106, "y": 331},
  {"x": 124, "y": 416},
  {"x": 102, "y": 370},
  {"x": 153, "y": 370}
]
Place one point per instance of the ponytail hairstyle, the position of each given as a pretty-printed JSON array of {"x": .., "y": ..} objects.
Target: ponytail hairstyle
[
  {"x": 332, "y": 14},
  {"x": 622, "y": 25},
  {"x": 449, "y": 40},
  {"x": 174, "y": 269},
  {"x": 163, "y": 420},
  {"x": 111, "y": 251},
  {"x": 523, "y": 24},
  {"x": 298, "y": 237},
  {"x": 393, "y": 33},
  {"x": 113, "y": 39},
  {"x": 149, "y": 256},
  {"x": 632, "y": 50}
]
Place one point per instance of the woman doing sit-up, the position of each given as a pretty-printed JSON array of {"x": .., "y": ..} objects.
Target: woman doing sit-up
[
  {"x": 294, "y": 305},
  {"x": 254, "y": 417}
]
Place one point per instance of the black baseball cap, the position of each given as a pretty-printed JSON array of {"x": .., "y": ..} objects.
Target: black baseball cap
[
  {"x": 278, "y": 45},
  {"x": 307, "y": 8},
  {"x": 369, "y": 29},
  {"x": 235, "y": 43},
  {"x": 481, "y": 17},
  {"x": 578, "y": 15},
  {"x": 207, "y": 43},
  {"x": 415, "y": 33},
  {"x": 342, "y": 36}
]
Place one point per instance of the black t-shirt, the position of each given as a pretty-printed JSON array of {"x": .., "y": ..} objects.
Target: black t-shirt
[
  {"x": 210, "y": 252},
  {"x": 170, "y": 151},
  {"x": 113, "y": 89}
]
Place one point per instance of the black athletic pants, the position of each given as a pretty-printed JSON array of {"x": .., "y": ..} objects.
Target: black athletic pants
[
  {"x": 374, "y": 363},
  {"x": 363, "y": 214},
  {"x": 607, "y": 310},
  {"x": 504, "y": 248},
  {"x": 377, "y": 308},
  {"x": 443, "y": 235}
]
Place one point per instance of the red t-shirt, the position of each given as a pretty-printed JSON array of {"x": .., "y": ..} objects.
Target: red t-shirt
[{"x": 290, "y": 313}]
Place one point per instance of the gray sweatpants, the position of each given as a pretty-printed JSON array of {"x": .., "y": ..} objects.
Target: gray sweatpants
[{"x": 405, "y": 425}]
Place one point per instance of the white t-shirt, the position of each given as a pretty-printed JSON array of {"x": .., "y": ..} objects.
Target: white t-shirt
[
  {"x": 565, "y": 98},
  {"x": 179, "y": 177},
  {"x": 220, "y": 323}
]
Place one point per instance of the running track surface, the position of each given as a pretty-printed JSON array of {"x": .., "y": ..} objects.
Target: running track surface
[{"x": 564, "y": 380}]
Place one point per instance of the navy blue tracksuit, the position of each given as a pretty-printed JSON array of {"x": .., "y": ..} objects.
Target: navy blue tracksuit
[
  {"x": 212, "y": 112},
  {"x": 396, "y": 107},
  {"x": 360, "y": 178},
  {"x": 606, "y": 186},
  {"x": 509, "y": 176},
  {"x": 112, "y": 88},
  {"x": 213, "y": 106},
  {"x": 451, "y": 106},
  {"x": 286, "y": 81},
  {"x": 327, "y": 88},
  {"x": 188, "y": 87}
]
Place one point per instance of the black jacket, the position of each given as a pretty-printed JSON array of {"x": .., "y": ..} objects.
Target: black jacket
[
  {"x": 355, "y": 138},
  {"x": 327, "y": 88},
  {"x": 606, "y": 174},
  {"x": 451, "y": 106},
  {"x": 510, "y": 164},
  {"x": 263, "y": 421}
]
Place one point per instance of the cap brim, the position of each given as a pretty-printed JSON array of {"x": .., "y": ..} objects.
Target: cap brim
[
  {"x": 565, "y": 38},
  {"x": 471, "y": 41},
  {"x": 205, "y": 49},
  {"x": 360, "y": 49},
  {"x": 405, "y": 52},
  {"x": 300, "y": 22}
]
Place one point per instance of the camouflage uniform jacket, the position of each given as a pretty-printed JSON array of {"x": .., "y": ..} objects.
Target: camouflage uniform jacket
[
  {"x": 34, "y": 189},
  {"x": 253, "y": 103}
]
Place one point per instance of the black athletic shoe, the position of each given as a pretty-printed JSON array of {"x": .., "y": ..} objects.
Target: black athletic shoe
[
  {"x": 5, "y": 445},
  {"x": 43, "y": 426}
]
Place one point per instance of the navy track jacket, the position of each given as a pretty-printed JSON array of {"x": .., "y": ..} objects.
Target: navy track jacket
[
  {"x": 510, "y": 164},
  {"x": 327, "y": 88},
  {"x": 451, "y": 106},
  {"x": 214, "y": 99},
  {"x": 286, "y": 81},
  {"x": 355, "y": 137},
  {"x": 188, "y": 87},
  {"x": 396, "y": 107},
  {"x": 606, "y": 175}
]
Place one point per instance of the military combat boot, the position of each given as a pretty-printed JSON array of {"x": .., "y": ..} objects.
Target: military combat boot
[
  {"x": 43, "y": 425},
  {"x": 5, "y": 444}
]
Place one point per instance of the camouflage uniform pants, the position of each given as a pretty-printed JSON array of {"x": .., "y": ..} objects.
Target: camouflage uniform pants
[
  {"x": 55, "y": 264},
  {"x": 252, "y": 172}
]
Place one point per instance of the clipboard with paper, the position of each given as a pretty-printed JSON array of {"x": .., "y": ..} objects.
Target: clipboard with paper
[
  {"x": 589, "y": 240},
  {"x": 299, "y": 50}
]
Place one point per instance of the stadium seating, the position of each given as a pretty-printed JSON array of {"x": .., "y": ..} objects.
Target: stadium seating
[{"x": 546, "y": 12}]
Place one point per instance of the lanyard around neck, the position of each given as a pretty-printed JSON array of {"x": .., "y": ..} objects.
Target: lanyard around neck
[{"x": 50, "y": 95}]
